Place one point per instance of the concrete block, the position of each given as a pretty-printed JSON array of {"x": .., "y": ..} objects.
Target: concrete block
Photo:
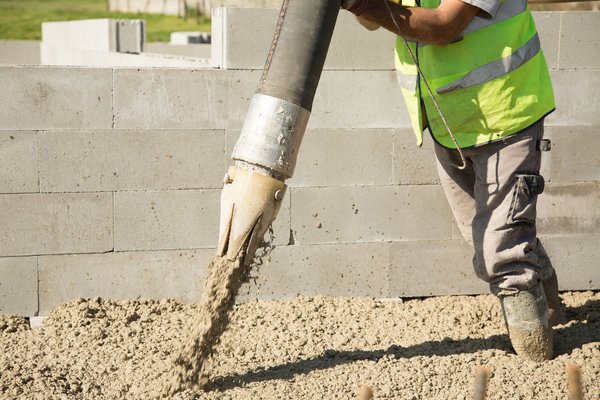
[
  {"x": 369, "y": 214},
  {"x": 69, "y": 56},
  {"x": 575, "y": 259},
  {"x": 177, "y": 220},
  {"x": 192, "y": 50},
  {"x": 242, "y": 87},
  {"x": 242, "y": 38},
  {"x": 413, "y": 165},
  {"x": 355, "y": 48},
  {"x": 55, "y": 98},
  {"x": 185, "y": 38},
  {"x": 575, "y": 153},
  {"x": 359, "y": 99},
  {"x": 548, "y": 27},
  {"x": 163, "y": 220},
  {"x": 155, "y": 274},
  {"x": 33, "y": 224},
  {"x": 107, "y": 35},
  {"x": 344, "y": 100},
  {"x": 19, "y": 52},
  {"x": 131, "y": 160},
  {"x": 93, "y": 34},
  {"x": 170, "y": 99},
  {"x": 18, "y": 286},
  {"x": 433, "y": 268},
  {"x": 37, "y": 322},
  {"x": 18, "y": 162},
  {"x": 131, "y": 35},
  {"x": 357, "y": 269},
  {"x": 579, "y": 47},
  {"x": 343, "y": 157},
  {"x": 577, "y": 99},
  {"x": 569, "y": 208}
]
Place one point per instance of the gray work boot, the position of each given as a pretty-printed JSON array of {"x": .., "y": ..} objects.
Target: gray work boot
[
  {"x": 526, "y": 317},
  {"x": 555, "y": 306}
]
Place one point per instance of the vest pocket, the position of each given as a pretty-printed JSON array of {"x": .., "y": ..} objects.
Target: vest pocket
[{"x": 524, "y": 199}]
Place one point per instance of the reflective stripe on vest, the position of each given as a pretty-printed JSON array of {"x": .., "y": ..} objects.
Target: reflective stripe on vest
[{"x": 496, "y": 68}]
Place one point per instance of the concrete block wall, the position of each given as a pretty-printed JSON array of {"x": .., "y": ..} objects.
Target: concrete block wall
[
  {"x": 111, "y": 43},
  {"x": 110, "y": 181}
]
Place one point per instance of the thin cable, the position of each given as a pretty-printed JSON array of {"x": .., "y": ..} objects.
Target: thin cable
[{"x": 435, "y": 103}]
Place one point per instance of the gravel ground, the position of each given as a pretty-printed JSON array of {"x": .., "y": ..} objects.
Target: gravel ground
[{"x": 305, "y": 348}]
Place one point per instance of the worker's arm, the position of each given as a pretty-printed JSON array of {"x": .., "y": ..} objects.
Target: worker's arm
[{"x": 440, "y": 26}]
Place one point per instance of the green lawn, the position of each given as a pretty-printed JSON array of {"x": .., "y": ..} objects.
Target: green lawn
[{"x": 21, "y": 19}]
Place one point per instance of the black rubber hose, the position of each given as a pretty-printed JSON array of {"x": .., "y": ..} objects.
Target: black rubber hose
[{"x": 298, "y": 50}]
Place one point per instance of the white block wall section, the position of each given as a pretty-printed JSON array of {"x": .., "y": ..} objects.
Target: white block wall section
[
  {"x": 171, "y": 98},
  {"x": 345, "y": 157},
  {"x": 18, "y": 162},
  {"x": 130, "y": 160},
  {"x": 577, "y": 97},
  {"x": 242, "y": 38},
  {"x": 92, "y": 34},
  {"x": 338, "y": 157},
  {"x": 243, "y": 85},
  {"x": 19, "y": 52},
  {"x": 432, "y": 268},
  {"x": 579, "y": 46},
  {"x": 154, "y": 274},
  {"x": 548, "y": 27},
  {"x": 356, "y": 269},
  {"x": 354, "y": 214},
  {"x": 70, "y": 56},
  {"x": 34, "y": 224},
  {"x": 414, "y": 165},
  {"x": 575, "y": 154},
  {"x": 569, "y": 209},
  {"x": 55, "y": 98},
  {"x": 197, "y": 50},
  {"x": 575, "y": 259},
  {"x": 162, "y": 220},
  {"x": 357, "y": 100},
  {"x": 19, "y": 286}
]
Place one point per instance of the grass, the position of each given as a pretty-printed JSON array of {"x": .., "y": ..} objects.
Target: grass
[{"x": 21, "y": 19}]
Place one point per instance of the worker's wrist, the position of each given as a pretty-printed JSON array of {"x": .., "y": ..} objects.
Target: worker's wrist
[{"x": 359, "y": 7}]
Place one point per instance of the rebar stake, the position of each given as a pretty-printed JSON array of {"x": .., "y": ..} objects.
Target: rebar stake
[
  {"x": 481, "y": 381},
  {"x": 574, "y": 382}
]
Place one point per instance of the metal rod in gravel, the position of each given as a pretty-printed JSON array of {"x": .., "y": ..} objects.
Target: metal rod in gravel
[
  {"x": 574, "y": 382},
  {"x": 481, "y": 381}
]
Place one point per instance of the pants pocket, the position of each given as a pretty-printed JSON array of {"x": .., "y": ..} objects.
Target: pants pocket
[{"x": 523, "y": 204}]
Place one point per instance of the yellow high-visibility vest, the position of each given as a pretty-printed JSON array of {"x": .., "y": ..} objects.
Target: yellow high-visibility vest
[{"x": 491, "y": 83}]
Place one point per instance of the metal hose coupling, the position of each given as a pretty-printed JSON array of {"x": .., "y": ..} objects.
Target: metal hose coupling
[
  {"x": 265, "y": 155},
  {"x": 271, "y": 135}
]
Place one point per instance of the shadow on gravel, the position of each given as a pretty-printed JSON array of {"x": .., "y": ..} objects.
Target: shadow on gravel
[
  {"x": 332, "y": 358},
  {"x": 586, "y": 329}
]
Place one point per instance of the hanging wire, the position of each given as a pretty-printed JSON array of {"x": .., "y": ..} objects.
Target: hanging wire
[{"x": 435, "y": 103}]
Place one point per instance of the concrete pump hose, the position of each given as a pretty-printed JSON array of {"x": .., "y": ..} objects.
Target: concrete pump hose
[{"x": 298, "y": 52}]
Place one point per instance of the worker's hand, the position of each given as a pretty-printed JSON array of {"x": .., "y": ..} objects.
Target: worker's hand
[
  {"x": 346, "y": 4},
  {"x": 357, "y": 7},
  {"x": 249, "y": 204},
  {"x": 369, "y": 25}
]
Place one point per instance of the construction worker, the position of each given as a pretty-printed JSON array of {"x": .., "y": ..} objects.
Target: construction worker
[{"x": 487, "y": 74}]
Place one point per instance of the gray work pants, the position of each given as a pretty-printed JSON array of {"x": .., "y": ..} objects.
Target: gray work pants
[{"x": 494, "y": 204}]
